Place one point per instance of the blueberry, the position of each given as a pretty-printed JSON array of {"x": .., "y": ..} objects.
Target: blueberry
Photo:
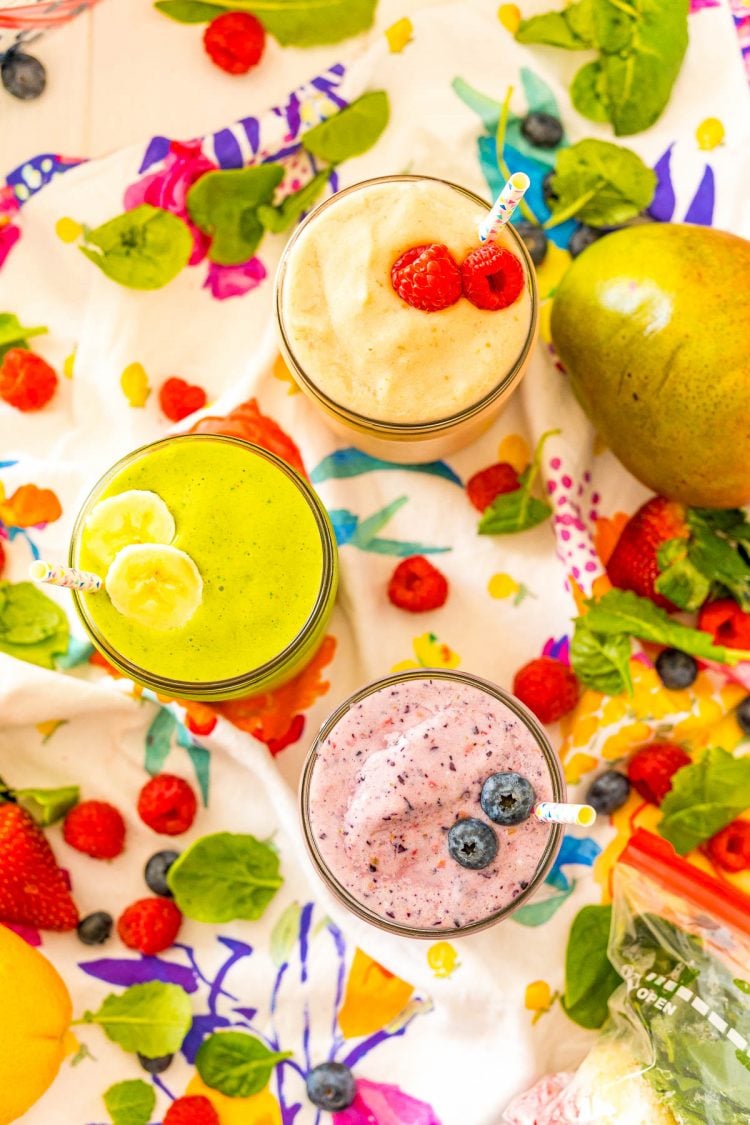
[
  {"x": 535, "y": 240},
  {"x": 155, "y": 872},
  {"x": 331, "y": 1086},
  {"x": 95, "y": 928},
  {"x": 609, "y": 791},
  {"x": 676, "y": 669},
  {"x": 472, "y": 843},
  {"x": 743, "y": 714},
  {"x": 157, "y": 1065},
  {"x": 550, "y": 195},
  {"x": 582, "y": 238},
  {"x": 542, "y": 129},
  {"x": 507, "y": 798},
  {"x": 23, "y": 76}
]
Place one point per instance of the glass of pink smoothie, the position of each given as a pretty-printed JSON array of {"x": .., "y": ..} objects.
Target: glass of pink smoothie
[{"x": 392, "y": 772}]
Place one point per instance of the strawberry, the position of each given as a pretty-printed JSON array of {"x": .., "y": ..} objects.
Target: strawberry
[
  {"x": 726, "y": 622},
  {"x": 633, "y": 564},
  {"x": 548, "y": 687},
  {"x": 650, "y": 770},
  {"x": 492, "y": 277},
  {"x": 167, "y": 804},
  {"x": 427, "y": 277},
  {"x": 195, "y": 1110},
  {"x": 235, "y": 41},
  {"x": 178, "y": 399},
  {"x": 730, "y": 848},
  {"x": 149, "y": 925},
  {"x": 95, "y": 828},
  {"x": 417, "y": 586},
  {"x": 486, "y": 485},
  {"x": 33, "y": 889}
]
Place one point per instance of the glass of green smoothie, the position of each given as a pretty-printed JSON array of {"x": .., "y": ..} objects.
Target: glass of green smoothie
[
  {"x": 402, "y": 383},
  {"x": 219, "y": 564}
]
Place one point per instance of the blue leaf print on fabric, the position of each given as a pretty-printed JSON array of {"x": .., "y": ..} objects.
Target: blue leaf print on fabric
[
  {"x": 537, "y": 913},
  {"x": 663, "y": 204},
  {"x": 350, "y": 531},
  {"x": 486, "y": 109},
  {"x": 125, "y": 971},
  {"x": 701, "y": 210},
  {"x": 345, "y": 463},
  {"x": 581, "y": 850},
  {"x": 200, "y": 758},
  {"x": 344, "y": 524},
  {"x": 159, "y": 741}
]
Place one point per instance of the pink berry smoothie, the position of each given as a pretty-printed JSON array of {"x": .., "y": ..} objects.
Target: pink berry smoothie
[{"x": 390, "y": 774}]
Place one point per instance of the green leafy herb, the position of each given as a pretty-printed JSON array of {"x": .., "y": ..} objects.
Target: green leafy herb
[
  {"x": 46, "y": 806},
  {"x": 225, "y": 876},
  {"x": 601, "y": 663},
  {"x": 14, "y": 335},
  {"x": 152, "y": 1019},
  {"x": 588, "y": 92},
  {"x": 570, "y": 29},
  {"x": 704, "y": 798},
  {"x": 518, "y": 510},
  {"x": 742, "y": 985},
  {"x": 309, "y": 23},
  {"x": 130, "y": 1103},
  {"x": 679, "y": 578},
  {"x": 143, "y": 249},
  {"x": 351, "y": 131},
  {"x": 719, "y": 550},
  {"x": 600, "y": 184},
  {"x": 224, "y": 206},
  {"x": 32, "y": 626},
  {"x": 278, "y": 219},
  {"x": 189, "y": 11},
  {"x": 236, "y": 1064},
  {"x": 590, "y": 977}
]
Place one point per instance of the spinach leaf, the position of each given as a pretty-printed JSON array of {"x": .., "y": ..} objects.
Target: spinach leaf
[
  {"x": 224, "y": 206},
  {"x": 46, "y": 806},
  {"x": 130, "y": 1103},
  {"x": 571, "y": 29},
  {"x": 351, "y": 131},
  {"x": 277, "y": 219},
  {"x": 225, "y": 876},
  {"x": 518, "y": 510},
  {"x": 236, "y": 1064},
  {"x": 704, "y": 798},
  {"x": 143, "y": 249},
  {"x": 32, "y": 626},
  {"x": 600, "y": 662},
  {"x": 152, "y": 1019},
  {"x": 590, "y": 978},
  {"x": 600, "y": 184},
  {"x": 189, "y": 11},
  {"x": 309, "y": 23},
  {"x": 14, "y": 335},
  {"x": 588, "y": 92}
]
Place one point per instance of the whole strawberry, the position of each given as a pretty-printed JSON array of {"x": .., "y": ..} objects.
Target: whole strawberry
[
  {"x": 95, "y": 828},
  {"x": 548, "y": 687},
  {"x": 195, "y": 1110},
  {"x": 167, "y": 804},
  {"x": 650, "y": 771},
  {"x": 149, "y": 925},
  {"x": 634, "y": 565},
  {"x": 427, "y": 277},
  {"x": 33, "y": 889}
]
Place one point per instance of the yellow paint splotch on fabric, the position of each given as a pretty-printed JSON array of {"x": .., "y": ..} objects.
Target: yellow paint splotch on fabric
[
  {"x": 135, "y": 385},
  {"x": 399, "y": 34},
  {"x": 442, "y": 959}
]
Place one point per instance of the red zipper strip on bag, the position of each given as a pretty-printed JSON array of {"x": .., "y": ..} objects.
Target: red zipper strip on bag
[{"x": 657, "y": 859}]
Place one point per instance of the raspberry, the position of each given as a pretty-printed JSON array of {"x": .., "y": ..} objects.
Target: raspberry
[
  {"x": 651, "y": 769},
  {"x": 548, "y": 687},
  {"x": 427, "y": 277},
  {"x": 492, "y": 277},
  {"x": 96, "y": 829},
  {"x": 235, "y": 41},
  {"x": 149, "y": 925},
  {"x": 178, "y": 399},
  {"x": 167, "y": 804},
  {"x": 26, "y": 380},
  {"x": 416, "y": 585},
  {"x": 730, "y": 848},
  {"x": 726, "y": 622},
  {"x": 195, "y": 1110},
  {"x": 491, "y": 482}
]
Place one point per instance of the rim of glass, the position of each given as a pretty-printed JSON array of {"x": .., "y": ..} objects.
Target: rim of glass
[
  {"x": 209, "y": 688},
  {"x": 558, "y": 794},
  {"x": 404, "y": 429}
]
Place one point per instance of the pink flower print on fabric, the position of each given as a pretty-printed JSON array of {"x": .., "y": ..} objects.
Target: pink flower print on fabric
[
  {"x": 234, "y": 281},
  {"x": 575, "y": 507},
  {"x": 168, "y": 188},
  {"x": 379, "y": 1104},
  {"x": 9, "y": 233}
]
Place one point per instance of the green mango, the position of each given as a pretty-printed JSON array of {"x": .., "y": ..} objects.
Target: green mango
[{"x": 652, "y": 324}]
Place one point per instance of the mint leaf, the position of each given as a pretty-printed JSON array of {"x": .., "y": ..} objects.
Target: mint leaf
[
  {"x": 225, "y": 876},
  {"x": 518, "y": 510},
  {"x": 278, "y": 219},
  {"x": 557, "y": 29},
  {"x": 143, "y": 249},
  {"x": 152, "y": 1019},
  {"x": 705, "y": 797},
  {"x": 130, "y": 1103},
  {"x": 14, "y": 335},
  {"x": 189, "y": 11},
  {"x": 32, "y": 626},
  {"x": 590, "y": 978},
  {"x": 236, "y": 1064},
  {"x": 588, "y": 92},
  {"x": 600, "y": 184},
  {"x": 223, "y": 205},
  {"x": 352, "y": 131},
  {"x": 45, "y": 806},
  {"x": 600, "y": 662}
]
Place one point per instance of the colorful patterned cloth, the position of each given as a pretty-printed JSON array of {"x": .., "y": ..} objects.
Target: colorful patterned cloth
[{"x": 435, "y": 1032}]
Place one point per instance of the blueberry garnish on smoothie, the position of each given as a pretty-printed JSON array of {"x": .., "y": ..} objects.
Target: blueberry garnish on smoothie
[
  {"x": 472, "y": 843},
  {"x": 507, "y": 798}
]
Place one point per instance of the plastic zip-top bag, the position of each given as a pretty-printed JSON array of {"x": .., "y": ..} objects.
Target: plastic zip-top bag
[{"x": 676, "y": 1045}]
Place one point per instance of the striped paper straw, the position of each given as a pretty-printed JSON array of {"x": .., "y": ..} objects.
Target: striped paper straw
[
  {"x": 66, "y": 576},
  {"x": 554, "y": 813},
  {"x": 504, "y": 206}
]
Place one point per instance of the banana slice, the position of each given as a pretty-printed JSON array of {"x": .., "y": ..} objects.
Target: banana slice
[
  {"x": 135, "y": 516},
  {"x": 155, "y": 585}
]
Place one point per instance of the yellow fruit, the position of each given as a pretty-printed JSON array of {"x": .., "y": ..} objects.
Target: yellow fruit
[
  {"x": 34, "y": 1035},
  {"x": 260, "y": 1109}
]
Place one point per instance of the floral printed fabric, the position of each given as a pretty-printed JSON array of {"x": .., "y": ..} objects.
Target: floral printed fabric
[{"x": 435, "y": 1033}]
